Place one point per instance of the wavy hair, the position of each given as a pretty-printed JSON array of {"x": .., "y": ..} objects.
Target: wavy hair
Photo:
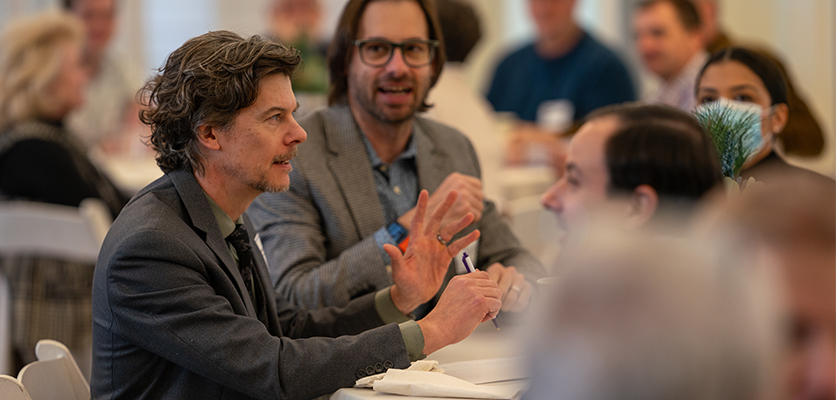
[
  {"x": 206, "y": 82},
  {"x": 30, "y": 61}
]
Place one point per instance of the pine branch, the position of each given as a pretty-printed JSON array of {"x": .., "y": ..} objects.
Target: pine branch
[{"x": 735, "y": 135}]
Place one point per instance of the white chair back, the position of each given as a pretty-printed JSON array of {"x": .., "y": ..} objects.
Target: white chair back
[
  {"x": 12, "y": 389},
  {"x": 55, "y": 376},
  {"x": 73, "y": 233}
]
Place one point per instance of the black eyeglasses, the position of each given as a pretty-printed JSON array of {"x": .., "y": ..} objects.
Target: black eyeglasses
[{"x": 378, "y": 52}]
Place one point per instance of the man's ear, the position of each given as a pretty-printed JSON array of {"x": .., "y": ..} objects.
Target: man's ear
[
  {"x": 643, "y": 204},
  {"x": 208, "y": 137}
]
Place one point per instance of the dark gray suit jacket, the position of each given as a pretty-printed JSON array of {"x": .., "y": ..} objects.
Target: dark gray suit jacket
[
  {"x": 319, "y": 235},
  {"x": 172, "y": 318}
]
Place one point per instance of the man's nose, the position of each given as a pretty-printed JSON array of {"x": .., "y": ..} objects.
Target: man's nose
[
  {"x": 397, "y": 65},
  {"x": 551, "y": 199},
  {"x": 296, "y": 135}
]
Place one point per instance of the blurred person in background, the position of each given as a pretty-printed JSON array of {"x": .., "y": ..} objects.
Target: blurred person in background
[
  {"x": 745, "y": 76},
  {"x": 631, "y": 166},
  {"x": 454, "y": 101},
  {"x": 802, "y": 135},
  {"x": 669, "y": 43},
  {"x": 297, "y": 23},
  {"x": 633, "y": 318},
  {"x": 552, "y": 83},
  {"x": 107, "y": 121},
  {"x": 791, "y": 223},
  {"x": 41, "y": 80}
]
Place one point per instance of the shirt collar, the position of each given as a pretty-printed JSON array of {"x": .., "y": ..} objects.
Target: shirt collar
[
  {"x": 224, "y": 221},
  {"x": 376, "y": 162}
]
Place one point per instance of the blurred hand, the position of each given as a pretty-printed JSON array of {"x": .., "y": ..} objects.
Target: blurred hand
[
  {"x": 527, "y": 135},
  {"x": 469, "y": 200},
  {"x": 420, "y": 271},
  {"x": 508, "y": 280},
  {"x": 467, "y": 301}
]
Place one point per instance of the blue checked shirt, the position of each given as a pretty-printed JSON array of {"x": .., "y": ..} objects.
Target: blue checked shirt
[{"x": 397, "y": 188}]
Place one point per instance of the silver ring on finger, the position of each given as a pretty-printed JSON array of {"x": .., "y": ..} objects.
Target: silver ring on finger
[
  {"x": 517, "y": 289},
  {"x": 441, "y": 240}
]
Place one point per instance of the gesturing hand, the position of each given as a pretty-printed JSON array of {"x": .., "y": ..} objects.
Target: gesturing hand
[{"x": 419, "y": 272}]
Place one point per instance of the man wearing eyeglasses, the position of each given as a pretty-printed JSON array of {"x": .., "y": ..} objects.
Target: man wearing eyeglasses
[{"x": 338, "y": 232}]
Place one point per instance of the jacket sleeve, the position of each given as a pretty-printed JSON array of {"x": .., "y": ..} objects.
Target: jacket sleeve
[{"x": 164, "y": 297}]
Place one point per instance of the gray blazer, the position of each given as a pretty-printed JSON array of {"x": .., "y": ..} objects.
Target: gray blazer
[
  {"x": 173, "y": 320},
  {"x": 318, "y": 236}
]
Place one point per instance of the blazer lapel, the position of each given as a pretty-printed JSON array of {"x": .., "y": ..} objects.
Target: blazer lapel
[
  {"x": 264, "y": 279},
  {"x": 349, "y": 164},
  {"x": 433, "y": 164},
  {"x": 203, "y": 219}
]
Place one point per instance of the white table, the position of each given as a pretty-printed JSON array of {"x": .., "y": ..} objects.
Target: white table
[{"x": 485, "y": 343}]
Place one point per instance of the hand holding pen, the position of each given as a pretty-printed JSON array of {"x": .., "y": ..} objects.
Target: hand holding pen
[{"x": 468, "y": 265}]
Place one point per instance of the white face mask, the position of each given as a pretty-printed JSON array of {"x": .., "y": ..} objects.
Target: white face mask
[{"x": 742, "y": 117}]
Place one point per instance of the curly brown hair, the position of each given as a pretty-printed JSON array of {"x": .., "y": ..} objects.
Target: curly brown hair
[{"x": 206, "y": 82}]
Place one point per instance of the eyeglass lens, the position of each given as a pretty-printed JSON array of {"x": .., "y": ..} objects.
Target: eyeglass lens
[{"x": 378, "y": 54}]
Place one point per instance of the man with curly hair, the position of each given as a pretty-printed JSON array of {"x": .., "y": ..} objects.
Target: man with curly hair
[{"x": 182, "y": 303}]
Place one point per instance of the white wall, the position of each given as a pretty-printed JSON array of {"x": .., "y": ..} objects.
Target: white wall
[{"x": 802, "y": 31}]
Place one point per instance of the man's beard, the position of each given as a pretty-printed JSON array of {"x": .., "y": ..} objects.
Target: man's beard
[
  {"x": 366, "y": 101},
  {"x": 262, "y": 183}
]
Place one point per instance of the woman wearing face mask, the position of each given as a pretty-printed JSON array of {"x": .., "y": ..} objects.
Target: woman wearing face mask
[{"x": 744, "y": 76}]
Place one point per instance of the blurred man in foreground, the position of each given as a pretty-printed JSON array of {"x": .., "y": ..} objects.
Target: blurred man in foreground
[
  {"x": 791, "y": 223},
  {"x": 634, "y": 317}
]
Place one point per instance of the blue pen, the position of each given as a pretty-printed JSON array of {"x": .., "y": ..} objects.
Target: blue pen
[{"x": 469, "y": 267}]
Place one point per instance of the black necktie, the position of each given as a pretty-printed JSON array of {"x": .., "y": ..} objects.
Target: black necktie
[{"x": 241, "y": 242}]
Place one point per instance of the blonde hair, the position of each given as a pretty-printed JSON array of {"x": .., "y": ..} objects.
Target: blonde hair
[{"x": 30, "y": 60}]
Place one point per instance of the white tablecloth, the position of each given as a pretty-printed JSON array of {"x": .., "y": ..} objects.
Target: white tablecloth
[{"x": 485, "y": 343}]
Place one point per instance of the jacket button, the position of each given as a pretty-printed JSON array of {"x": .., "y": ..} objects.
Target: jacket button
[
  {"x": 370, "y": 370},
  {"x": 388, "y": 364},
  {"x": 378, "y": 367},
  {"x": 360, "y": 373}
]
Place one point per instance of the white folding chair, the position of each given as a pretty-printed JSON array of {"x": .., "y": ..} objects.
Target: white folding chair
[
  {"x": 50, "y": 230},
  {"x": 12, "y": 389},
  {"x": 55, "y": 376}
]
